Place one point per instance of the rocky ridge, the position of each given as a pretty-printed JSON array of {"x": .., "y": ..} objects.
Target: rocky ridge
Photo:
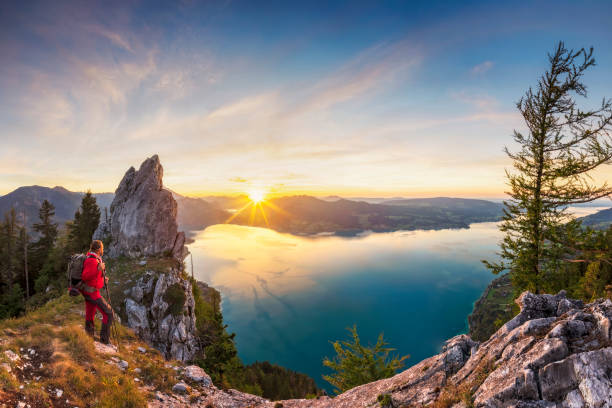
[{"x": 556, "y": 353}]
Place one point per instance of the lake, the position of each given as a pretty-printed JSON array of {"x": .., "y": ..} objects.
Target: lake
[{"x": 286, "y": 297}]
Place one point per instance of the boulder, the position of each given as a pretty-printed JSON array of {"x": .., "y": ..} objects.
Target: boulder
[{"x": 197, "y": 374}]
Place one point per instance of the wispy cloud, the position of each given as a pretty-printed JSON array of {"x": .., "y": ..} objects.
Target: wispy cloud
[
  {"x": 114, "y": 37},
  {"x": 482, "y": 68},
  {"x": 480, "y": 101}
]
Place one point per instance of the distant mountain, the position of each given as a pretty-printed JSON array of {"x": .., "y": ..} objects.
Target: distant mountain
[
  {"x": 460, "y": 206},
  {"x": 310, "y": 215},
  {"x": 294, "y": 214},
  {"x": 28, "y": 199},
  {"x": 228, "y": 203},
  {"x": 371, "y": 200},
  {"x": 600, "y": 220},
  {"x": 197, "y": 213}
]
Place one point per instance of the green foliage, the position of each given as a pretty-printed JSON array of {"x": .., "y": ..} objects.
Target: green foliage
[
  {"x": 175, "y": 297},
  {"x": 12, "y": 302},
  {"x": 86, "y": 220},
  {"x": 385, "y": 400},
  {"x": 552, "y": 170},
  {"x": 8, "y": 249},
  {"x": 355, "y": 364},
  {"x": 279, "y": 383}
]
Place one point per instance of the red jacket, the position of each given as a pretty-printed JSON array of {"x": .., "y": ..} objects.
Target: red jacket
[{"x": 92, "y": 276}]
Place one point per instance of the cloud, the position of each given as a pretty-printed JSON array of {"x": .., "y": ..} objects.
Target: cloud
[
  {"x": 482, "y": 68},
  {"x": 370, "y": 70},
  {"x": 238, "y": 180},
  {"x": 479, "y": 101},
  {"x": 114, "y": 37}
]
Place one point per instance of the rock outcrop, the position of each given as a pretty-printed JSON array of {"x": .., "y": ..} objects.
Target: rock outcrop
[
  {"x": 556, "y": 353},
  {"x": 142, "y": 218},
  {"x": 160, "y": 308}
]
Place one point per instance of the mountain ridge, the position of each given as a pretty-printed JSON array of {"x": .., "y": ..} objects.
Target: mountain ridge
[{"x": 296, "y": 214}]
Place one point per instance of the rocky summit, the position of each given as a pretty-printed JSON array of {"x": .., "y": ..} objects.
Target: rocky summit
[
  {"x": 556, "y": 353},
  {"x": 142, "y": 219}
]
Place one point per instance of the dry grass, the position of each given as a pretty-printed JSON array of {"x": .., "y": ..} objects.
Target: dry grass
[
  {"x": 70, "y": 363},
  {"x": 78, "y": 343}
]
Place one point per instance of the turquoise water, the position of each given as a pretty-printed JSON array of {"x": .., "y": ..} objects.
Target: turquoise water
[{"x": 287, "y": 297}]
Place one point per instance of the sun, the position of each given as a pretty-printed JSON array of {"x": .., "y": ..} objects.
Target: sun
[{"x": 257, "y": 196}]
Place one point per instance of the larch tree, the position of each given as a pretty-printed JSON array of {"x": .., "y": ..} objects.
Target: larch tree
[{"x": 553, "y": 169}]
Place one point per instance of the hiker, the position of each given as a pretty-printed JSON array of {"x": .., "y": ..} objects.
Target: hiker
[{"x": 94, "y": 279}]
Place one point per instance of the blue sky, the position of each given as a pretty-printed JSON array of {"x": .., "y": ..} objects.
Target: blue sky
[{"x": 354, "y": 98}]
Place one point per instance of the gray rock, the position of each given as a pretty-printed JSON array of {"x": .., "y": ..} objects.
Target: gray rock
[
  {"x": 197, "y": 374},
  {"x": 142, "y": 218},
  {"x": 150, "y": 317},
  {"x": 11, "y": 355},
  {"x": 180, "y": 388},
  {"x": 137, "y": 317}
]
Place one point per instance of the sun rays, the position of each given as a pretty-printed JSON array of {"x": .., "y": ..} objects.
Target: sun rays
[
  {"x": 257, "y": 196},
  {"x": 258, "y": 205}
]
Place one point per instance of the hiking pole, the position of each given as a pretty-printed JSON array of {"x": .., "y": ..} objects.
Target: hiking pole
[{"x": 113, "y": 328}]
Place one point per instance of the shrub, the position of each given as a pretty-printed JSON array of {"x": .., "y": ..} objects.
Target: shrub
[
  {"x": 175, "y": 297},
  {"x": 355, "y": 364}
]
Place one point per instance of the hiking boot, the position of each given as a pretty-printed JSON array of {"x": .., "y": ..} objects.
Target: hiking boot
[
  {"x": 105, "y": 333},
  {"x": 89, "y": 328}
]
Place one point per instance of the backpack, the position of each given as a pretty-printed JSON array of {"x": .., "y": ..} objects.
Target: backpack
[{"x": 75, "y": 274}]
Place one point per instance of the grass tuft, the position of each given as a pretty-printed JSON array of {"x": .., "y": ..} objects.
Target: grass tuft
[{"x": 78, "y": 343}]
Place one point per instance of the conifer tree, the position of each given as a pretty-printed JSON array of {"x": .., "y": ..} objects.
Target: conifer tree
[
  {"x": 8, "y": 249},
  {"x": 552, "y": 170},
  {"x": 48, "y": 234},
  {"x": 86, "y": 220},
  {"x": 356, "y": 364}
]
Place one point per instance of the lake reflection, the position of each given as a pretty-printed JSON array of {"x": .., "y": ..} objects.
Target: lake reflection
[{"x": 286, "y": 297}]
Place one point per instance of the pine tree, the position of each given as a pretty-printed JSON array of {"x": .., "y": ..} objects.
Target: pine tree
[
  {"x": 552, "y": 170},
  {"x": 86, "y": 220},
  {"x": 8, "y": 251},
  {"x": 48, "y": 234},
  {"x": 21, "y": 252}
]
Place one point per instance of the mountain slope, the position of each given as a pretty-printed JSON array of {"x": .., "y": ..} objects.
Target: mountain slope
[
  {"x": 30, "y": 198},
  {"x": 600, "y": 220},
  {"x": 310, "y": 215},
  {"x": 293, "y": 214}
]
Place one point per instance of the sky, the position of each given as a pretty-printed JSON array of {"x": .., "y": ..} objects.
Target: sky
[{"x": 381, "y": 98}]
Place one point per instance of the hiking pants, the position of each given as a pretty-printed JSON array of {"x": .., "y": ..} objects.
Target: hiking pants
[{"x": 99, "y": 304}]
